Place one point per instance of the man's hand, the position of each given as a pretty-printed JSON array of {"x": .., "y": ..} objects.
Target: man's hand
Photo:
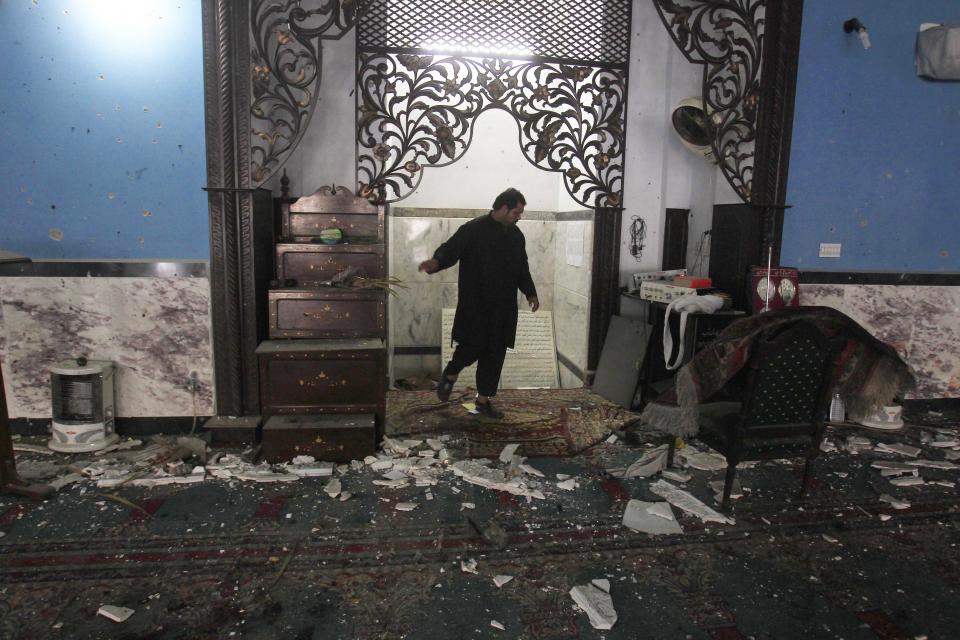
[
  {"x": 534, "y": 303},
  {"x": 429, "y": 266}
]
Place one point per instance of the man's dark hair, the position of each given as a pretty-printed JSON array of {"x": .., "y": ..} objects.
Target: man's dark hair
[{"x": 511, "y": 197}]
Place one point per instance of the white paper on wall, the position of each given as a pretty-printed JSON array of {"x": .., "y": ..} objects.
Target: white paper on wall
[{"x": 574, "y": 249}]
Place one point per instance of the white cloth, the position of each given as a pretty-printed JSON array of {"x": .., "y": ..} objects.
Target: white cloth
[{"x": 685, "y": 305}]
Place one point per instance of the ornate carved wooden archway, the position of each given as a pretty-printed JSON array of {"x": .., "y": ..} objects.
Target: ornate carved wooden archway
[{"x": 261, "y": 74}]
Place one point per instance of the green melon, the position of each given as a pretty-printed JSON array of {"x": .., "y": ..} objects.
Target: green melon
[{"x": 332, "y": 235}]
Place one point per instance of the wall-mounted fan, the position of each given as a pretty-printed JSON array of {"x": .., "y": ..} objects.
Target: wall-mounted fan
[{"x": 690, "y": 122}]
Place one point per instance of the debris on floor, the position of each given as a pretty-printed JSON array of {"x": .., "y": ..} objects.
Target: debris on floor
[
  {"x": 476, "y": 473},
  {"x": 308, "y": 467},
  {"x": 675, "y": 475},
  {"x": 650, "y": 463},
  {"x": 117, "y": 614},
  {"x": 333, "y": 488},
  {"x": 736, "y": 491},
  {"x": 900, "y": 449},
  {"x": 651, "y": 518},
  {"x": 508, "y": 452},
  {"x": 570, "y": 504},
  {"x": 25, "y": 447},
  {"x": 685, "y": 501},
  {"x": 894, "y": 502},
  {"x": 702, "y": 460},
  {"x": 594, "y": 599}
]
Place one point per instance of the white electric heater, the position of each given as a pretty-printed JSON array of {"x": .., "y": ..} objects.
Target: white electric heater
[{"x": 83, "y": 410}]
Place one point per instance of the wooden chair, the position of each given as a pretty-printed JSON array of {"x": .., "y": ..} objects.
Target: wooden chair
[{"x": 784, "y": 406}]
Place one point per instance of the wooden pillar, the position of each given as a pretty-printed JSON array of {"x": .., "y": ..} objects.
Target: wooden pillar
[
  {"x": 233, "y": 304},
  {"x": 604, "y": 283},
  {"x": 778, "y": 88},
  {"x": 10, "y": 482}
]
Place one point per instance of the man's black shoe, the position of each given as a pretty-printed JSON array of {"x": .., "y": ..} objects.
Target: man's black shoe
[
  {"x": 444, "y": 388},
  {"x": 487, "y": 410}
]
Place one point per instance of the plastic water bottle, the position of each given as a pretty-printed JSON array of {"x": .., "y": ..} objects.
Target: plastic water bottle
[{"x": 837, "y": 410}]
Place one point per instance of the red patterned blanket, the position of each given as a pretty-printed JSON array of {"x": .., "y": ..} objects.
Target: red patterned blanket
[{"x": 869, "y": 373}]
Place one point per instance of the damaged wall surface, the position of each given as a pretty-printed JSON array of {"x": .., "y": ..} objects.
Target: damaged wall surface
[
  {"x": 102, "y": 129},
  {"x": 873, "y": 168},
  {"x": 918, "y": 321},
  {"x": 873, "y": 159},
  {"x": 155, "y": 330}
]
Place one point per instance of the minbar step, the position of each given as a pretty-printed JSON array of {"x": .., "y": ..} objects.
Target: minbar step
[
  {"x": 328, "y": 437},
  {"x": 233, "y": 431}
]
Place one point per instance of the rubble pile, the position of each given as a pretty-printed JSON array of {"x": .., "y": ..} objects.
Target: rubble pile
[{"x": 401, "y": 463}]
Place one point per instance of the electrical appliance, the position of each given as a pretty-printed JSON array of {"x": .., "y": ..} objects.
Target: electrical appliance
[{"x": 83, "y": 405}]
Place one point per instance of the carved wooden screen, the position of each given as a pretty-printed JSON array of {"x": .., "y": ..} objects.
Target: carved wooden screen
[
  {"x": 428, "y": 68},
  {"x": 286, "y": 55},
  {"x": 726, "y": 37}
]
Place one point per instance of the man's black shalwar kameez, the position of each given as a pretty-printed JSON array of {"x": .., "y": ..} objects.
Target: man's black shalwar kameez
[{"x": 493, "y": 265}]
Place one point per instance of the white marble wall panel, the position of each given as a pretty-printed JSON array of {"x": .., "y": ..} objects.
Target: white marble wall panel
[
  {"x": 572, "y": 300},
  {"x": 408, "y": 366},
  {"x": 541, "y": 240},
  {"x": 414, "y": 315},
  {"x": 921, "y": 323},
  {"x": 413, "y": 240},
  {"x": 571, "y": 318},
  {"x": 568, "y": 379},
  {"x": 155, "y": 330}
]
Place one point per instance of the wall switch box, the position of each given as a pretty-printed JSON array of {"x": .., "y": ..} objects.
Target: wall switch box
[{"x": 829, "y": 249}]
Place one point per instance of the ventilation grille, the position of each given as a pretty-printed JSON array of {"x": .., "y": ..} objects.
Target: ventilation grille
[
  {"x": 77, "y": 399},
  {"x": 594, "y": 32}
]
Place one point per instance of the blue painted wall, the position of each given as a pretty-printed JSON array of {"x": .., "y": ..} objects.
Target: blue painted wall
[
  {"x": 101, "y": 129},
  {"x": 874, "y": 162}
]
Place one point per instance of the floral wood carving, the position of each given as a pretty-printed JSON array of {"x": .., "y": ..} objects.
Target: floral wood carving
[
  {"x": 285, "y": 62},
  {"x": 726, "y": 36},
  {"x": 417, "y": 111}
]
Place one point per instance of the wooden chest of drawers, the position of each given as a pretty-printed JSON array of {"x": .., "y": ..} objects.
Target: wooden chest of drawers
[
  {"x": 233, "y": 431},
  {"x": 357, "y": 228},
  {"x": 323, "y": 373},
  {"x": 358, "y": 219},
  {"x": 323, "y": 376},
  {"x": 326, "y": 313},
  {"x": 311, "y": 264},
  {"x": 331, "y": 438}
]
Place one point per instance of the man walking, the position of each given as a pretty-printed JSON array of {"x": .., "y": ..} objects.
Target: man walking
[{"x": 493, "y": 265}]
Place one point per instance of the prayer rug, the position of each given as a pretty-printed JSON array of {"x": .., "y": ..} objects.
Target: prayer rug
[{"x": 546, "y": 422}]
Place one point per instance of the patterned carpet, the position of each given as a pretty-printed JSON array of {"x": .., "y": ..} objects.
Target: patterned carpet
[
  {"x": 547, "y": 422},
  {"x": 868, "y": 581},
  {"x": 222, "y": 559}
]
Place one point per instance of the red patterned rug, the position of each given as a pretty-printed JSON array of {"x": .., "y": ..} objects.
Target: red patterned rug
[
  {"x": 880, "y": 582},
  {"x": 547, "y": 422}
]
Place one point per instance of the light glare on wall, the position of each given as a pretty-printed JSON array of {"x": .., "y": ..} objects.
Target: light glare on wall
[
  {"x": 122, "y": 22},
  {"x": 454, "y": 47}
]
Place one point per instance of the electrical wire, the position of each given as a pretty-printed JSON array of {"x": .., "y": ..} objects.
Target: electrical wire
[
  {"x": 193, "y": 394},
  {"x": 638, "y": 233},
  {"x": 699, "y": 254}
]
